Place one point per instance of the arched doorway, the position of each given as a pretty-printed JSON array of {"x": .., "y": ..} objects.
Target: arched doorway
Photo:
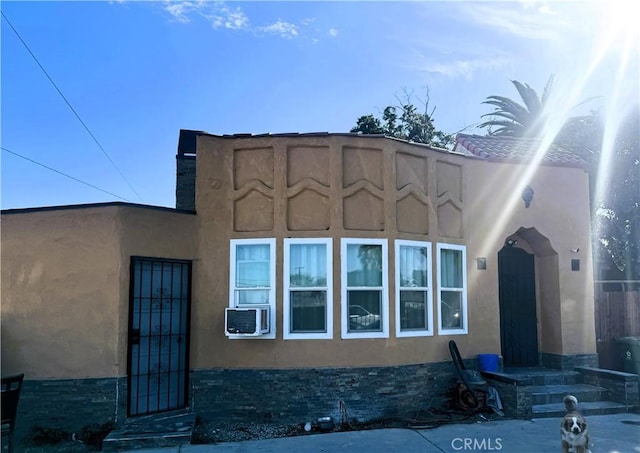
[{"x": 518, "y": 314}]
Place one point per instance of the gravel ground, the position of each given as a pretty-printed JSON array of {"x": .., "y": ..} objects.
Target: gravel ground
[
  {"x": 202, "y": 435},
  {"x": 54, "y": 440},
  {"x": 61, "y": 447},
  {"x": 206, "y": 433}
]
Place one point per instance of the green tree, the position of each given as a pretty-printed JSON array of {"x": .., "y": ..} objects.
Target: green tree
[
  {"x": 368, "y": 124},
  {"x": 407, "y": 122},
  {"x": 513, "y": 119},
  {"x": 616, "y": 210}
]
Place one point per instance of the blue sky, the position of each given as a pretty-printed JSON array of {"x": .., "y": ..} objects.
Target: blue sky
[{"x": 138, "y": 72}]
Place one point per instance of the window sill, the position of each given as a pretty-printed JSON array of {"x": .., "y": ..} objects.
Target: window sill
[
  {"x": 266, "y": 336},
  {"x": 443, "y": 332},
  {"x": 309, "y": 336},
  {"x": 354, "y": 335},
  {"x": 414, "y": 333}
]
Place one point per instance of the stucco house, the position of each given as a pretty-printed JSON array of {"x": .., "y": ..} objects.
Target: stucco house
[{"x": 299, "y": 273}]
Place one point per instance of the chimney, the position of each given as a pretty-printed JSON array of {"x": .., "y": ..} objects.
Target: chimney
[{"x": 186, "y": 171}]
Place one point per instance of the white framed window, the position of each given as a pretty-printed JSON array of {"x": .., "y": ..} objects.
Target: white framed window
[
  {"x": 308, "y": 283},
  {"x": 452, "y": 289},
  {"x": 252, "y": 277},
  {"x": 365, "y": 300},
  {"x": 414, "y": 307}
]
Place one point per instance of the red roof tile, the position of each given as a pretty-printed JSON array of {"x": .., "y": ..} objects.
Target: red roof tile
[{"x": 519, "y": 150}]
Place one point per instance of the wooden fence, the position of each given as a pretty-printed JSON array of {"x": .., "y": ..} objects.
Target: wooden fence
[{"x": 617, "y": 314}]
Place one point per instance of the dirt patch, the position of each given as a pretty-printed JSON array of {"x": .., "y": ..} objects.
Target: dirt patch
[
  {"x": 212, "y": 433},
  {"x": 205, "y": 433},
  {"x": 62, "y": 447},
  {"x": 55, "y": 440}
]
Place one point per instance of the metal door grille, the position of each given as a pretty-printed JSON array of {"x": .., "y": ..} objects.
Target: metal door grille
[{"x": 159, "y": 312}]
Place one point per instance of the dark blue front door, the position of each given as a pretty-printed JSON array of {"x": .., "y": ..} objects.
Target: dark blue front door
[{"x": 159, "y": 312}]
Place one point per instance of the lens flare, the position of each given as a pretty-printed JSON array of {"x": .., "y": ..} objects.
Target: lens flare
[{"x": 614, "y": 47}]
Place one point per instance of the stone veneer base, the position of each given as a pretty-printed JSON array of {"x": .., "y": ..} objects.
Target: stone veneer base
[
  {"x": 70, "y": 404},
  {"x": 568, "y": 362},
  {"x": 620, "y": 387},
  {"x": 288, "y": 396},
  {"x": 297, "y": 395},
  {"x": 250, "y": 395}
]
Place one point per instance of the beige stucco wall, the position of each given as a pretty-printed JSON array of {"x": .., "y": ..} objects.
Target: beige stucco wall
[
  {"x": 560, "y": 213},
  {"x": 154, "y": 234},
  {"x": 65, "y": 282},
  {"x": 379, "y": 188},
  {"x": 65, "y": 272},
  {"x": 60, "y": 293}
]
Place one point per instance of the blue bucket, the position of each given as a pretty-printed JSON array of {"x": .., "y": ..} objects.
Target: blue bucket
[{"x": 488, "y": 362}]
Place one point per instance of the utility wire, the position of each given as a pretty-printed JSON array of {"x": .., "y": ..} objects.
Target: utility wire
[
  {"x": 70, "y": 106},
  {"x": 61, "y": 173}
]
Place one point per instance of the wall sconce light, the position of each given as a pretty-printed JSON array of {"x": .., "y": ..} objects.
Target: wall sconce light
[
  {"x": 481, "y": 263},
  {"x": 527, "y": 196},
  {"x": 510, "y": 242}
]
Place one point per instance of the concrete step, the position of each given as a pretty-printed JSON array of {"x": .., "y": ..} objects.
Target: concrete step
[
  {"x": 586, "y": 408},
  {"x": 545, "y": 376},
  {"x": 152, "y": 431},
  {"x": 546, "y": 394}
]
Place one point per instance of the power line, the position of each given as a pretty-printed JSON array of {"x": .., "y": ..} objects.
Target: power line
[
  {"x": 61, "y": 173},
  {"x": 70, "y": 106}
]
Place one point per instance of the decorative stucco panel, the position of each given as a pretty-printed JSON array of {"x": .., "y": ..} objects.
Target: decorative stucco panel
[
  {"x": 253, "y": 179},
  {"x": 363, "y": 209},
  {"x": 308, "y": 188},
  {"x": 305, "y": 162},
  {"x": 413, "y": 213},
  {"x": 308, "y": 210},
  {"x": 450, "y": 200},
  {"x": 362, "y": 164},
  {"x": 413, "y": 204},
  {"x": 253, "y": 164}
]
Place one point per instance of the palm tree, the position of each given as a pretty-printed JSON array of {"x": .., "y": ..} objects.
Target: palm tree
[{"x": 513, "y": 119}]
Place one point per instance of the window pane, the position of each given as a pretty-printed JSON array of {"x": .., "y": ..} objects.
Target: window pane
[
  {"x": 413, "y": 266},
  {"x": 364, "y": 265},
  {"x": 259, "y": 296},
  {"x": 451, "y": 268},
  {"x": 364, "y": 308},
  {"x": 413, "y": 310},
  {"x": 308, "y": 265},
  {"x": 308, "y": 311},
  {"x": 252, "y": 266},
  {"x": 451, "y": 309}
]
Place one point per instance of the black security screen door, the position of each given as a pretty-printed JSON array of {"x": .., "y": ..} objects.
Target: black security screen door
[
  {"x": 159, "y": 312},
  {"x": 518, "y": 320}
]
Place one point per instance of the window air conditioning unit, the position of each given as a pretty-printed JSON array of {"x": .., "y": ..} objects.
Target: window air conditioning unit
[{"x": 246, "y": 322}]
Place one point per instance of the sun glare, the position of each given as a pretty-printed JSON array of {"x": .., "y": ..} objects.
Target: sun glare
[
  {"x": 615, "y": 45},
  {"x": 619, "y": 18},
  {"x": 621, "y": 39}
]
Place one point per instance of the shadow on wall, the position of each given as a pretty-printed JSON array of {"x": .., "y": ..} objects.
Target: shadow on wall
[{"x": 11, "y": 360}]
